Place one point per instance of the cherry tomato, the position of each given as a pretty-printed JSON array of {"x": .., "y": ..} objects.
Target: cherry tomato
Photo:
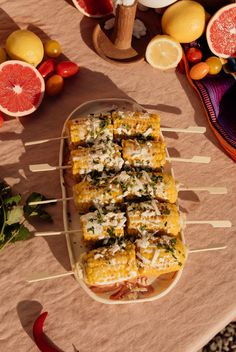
[
  {"x": 67, "y": 69},
  {"x": 54, "y": 85},
  {"x": 214, "y": 64},
  {"x": 194, "y": 55},
  {"x": 52, "y": 48},
  {"x": 47, "y": 68},
  {"x": 3, "y": 55},
  {"x": 1, "y": 119},
  {"x": 199, "y": 71}
]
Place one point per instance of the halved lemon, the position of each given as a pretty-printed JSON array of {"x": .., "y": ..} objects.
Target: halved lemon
[{"x": 163, "y": 52}]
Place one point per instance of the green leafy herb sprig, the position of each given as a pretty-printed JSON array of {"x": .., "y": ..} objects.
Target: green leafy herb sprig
[{"x": 13, "y": 216}]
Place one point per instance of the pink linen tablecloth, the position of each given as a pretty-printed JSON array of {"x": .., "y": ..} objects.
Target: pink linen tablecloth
[{"x": 204, "y": 300}]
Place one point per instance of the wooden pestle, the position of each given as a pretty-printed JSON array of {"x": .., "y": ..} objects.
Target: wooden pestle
[{"x": 124, "y": 23}]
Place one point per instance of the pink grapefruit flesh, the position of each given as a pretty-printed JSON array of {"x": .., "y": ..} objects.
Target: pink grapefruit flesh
[
  {"x": 94, "y": 8},
  {"x": 21, "y": 88},
  {"x": 221, "y": 32}
]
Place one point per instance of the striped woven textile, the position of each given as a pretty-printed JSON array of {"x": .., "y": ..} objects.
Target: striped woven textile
[{"x": 218, "y": 96}]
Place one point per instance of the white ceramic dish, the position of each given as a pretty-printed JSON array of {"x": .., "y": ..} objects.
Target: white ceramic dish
[{"x": 162, "y": 285}]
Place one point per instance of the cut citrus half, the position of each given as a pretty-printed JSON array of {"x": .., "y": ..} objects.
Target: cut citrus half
[
  {"x": 21, "y": 88},
  {"x": 94, "y": 8},
  {"x": 221, "y": 32},
  {"x": 163, "y": 52}
]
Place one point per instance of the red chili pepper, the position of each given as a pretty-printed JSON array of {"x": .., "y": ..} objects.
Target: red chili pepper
[{"x": 39, "y": 337}]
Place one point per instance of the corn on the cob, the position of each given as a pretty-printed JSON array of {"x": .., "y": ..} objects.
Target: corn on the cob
[
  {"x": 147, "y": 184},
  {"x": 136, "y": 124},
  {"x": 100, "y": 225},
  {"x": 160, "y": 255},
  {"x": 88, "y": 129},
  {"x": 101, "y": 157},
  {"x": 150, "y": 154},
  {"x": 107, "y": 265},
  {"x": 91, "y": 192},
  {"x": 152, "y": 216}
]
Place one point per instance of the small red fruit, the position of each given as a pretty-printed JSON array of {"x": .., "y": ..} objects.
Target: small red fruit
[
  {"x": 1, "y": 119},
  {"x": 47, "y": 68},
  {"x": 54, "y": 85},
  {"x": 67, "y": 69},
  {"x": 194, "y": 55}
]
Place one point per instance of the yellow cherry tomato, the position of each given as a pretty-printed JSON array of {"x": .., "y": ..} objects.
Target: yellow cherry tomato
[
  {"x": 199, "y": 71},
  {"x": 52, "y": 48},
  {"x": 214, "y": 64},
  {"x": 54, "y": 85},
  {"x": 3, "y": 55}
]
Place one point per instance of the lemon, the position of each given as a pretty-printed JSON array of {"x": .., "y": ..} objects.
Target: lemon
[
  {"x": 184, "y": 21},
  {"x": 163, "y": 52},
  {"x": 25, "y": 46}
]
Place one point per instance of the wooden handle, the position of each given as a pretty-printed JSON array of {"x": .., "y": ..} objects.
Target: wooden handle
[
  {"x": 44, "y": 276},
  {"x": 213, "y": 223},
  {"x": 123, "y": 28},
  {"x": 190, "y": 129},
  {"x": 194, "y": 159},
  {"x": 47, "y": 167},
  {"x": 211, "y": 190}
]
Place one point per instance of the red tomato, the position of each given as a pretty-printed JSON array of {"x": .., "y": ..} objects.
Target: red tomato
[
  {"x": 1, "y": 119},
  {"x": 67, "y": 69},
  {"x": 194, "y": 55},
  {"x": 47, "y": 68},
  {"x": 199, "y": 71},
  {"x": 54, "y": 85}
]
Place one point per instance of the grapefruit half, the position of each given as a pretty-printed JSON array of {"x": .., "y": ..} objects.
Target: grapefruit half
[
  {"x": 221, "y": 32},
  {"x": 21, "y": 88},
  {"x": 94, "y": 8}
]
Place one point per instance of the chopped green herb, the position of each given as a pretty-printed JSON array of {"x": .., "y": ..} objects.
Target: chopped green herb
[
  {"x": 111, "y": 231},
  {"x": 91, "y": 229}
]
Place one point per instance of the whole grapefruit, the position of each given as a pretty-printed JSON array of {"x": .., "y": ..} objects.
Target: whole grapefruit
[
  {"x": 221, "y": 32},
  {"x": 21, "y": 88},
  {"x": 25, "y": 46},
  {"x": 184, "y": 21}
]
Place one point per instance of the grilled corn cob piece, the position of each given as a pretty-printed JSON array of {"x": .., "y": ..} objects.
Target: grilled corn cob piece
[
  {"x": 88, "y": 129},
  {"x": 160, "y": 255},
  {"x": 107, "y": 265},
  {"x": 141, "y": 183},
  {"x": 90, "y": 192},
  {"x": 149, "y": 154},
  {"x": 152, "y": 216},
  {"x": 101, "y": 157},
  {"x": 136, "y": 124},
  {"x": 100, "y": 225}
]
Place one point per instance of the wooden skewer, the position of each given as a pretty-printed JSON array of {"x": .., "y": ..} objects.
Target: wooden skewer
[
  {"x": 47, "y": 167},
  {"x": 54, "y": 233},
  {"x": 48, "y": 201},
  {"x": 206, "y": 249},
  {"x": 190, "y": 129},
  {"x": 211, "y": 190},
  {"x": 213, "y": 223},
  {"x": 43, "y": 276},
  {"x": 194, "y": 159},
  {"x": 41, "y": 141}
]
